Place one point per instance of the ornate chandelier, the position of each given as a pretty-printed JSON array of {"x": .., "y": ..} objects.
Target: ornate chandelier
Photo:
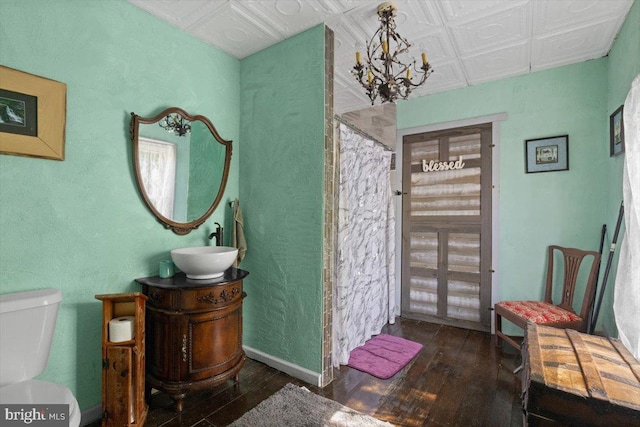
[
  {"x": 175, "y": 123},
  {"x": 384, "y": 74}
]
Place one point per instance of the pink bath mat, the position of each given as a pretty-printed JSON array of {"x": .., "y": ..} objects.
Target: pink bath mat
[{"x": 383, "y": 355}]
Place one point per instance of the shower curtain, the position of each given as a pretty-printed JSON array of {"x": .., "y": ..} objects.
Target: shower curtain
[
  {"x": 626, "y": 297},
  {"x": 364, "y": 295}
]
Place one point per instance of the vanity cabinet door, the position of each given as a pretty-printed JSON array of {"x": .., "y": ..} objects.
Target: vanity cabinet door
[
  {"x": 163, "y": 344},
  {"x": 214, "y": 342}
]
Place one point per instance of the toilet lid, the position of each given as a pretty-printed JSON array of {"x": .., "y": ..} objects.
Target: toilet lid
[{"x": 41, "y": 392}]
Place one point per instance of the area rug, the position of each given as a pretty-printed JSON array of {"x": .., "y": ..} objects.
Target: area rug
[
  {"x": 294, "y": 406},
  {"x": 383, "y": 356}
]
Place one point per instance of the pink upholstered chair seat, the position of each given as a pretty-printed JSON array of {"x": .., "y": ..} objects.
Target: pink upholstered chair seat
[
  {"x": 539, "y": 312},
  {"x": 545, "y": 312}
]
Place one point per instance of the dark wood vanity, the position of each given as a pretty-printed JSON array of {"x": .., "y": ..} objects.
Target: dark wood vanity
[{"x": 193, "y": 332}]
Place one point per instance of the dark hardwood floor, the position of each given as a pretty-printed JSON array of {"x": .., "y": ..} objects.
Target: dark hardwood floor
[{"x": 458, "y": 379}]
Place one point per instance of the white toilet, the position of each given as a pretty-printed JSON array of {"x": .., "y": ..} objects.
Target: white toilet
[{"x": 27, "y": 322}]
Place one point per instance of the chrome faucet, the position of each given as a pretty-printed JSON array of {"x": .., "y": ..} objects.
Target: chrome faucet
[{"x": 217, "y": 234}]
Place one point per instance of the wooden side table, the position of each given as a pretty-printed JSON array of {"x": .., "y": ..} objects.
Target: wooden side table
[{"x": 123, "y": 364}]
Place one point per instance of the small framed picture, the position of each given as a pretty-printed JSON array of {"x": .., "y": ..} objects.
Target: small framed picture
[
  {"x": 547, "y": 154},
  {"x": 33, "y": 113},
  {"x": 616, "y": 132},
  {"x": 18, "y": 113}
]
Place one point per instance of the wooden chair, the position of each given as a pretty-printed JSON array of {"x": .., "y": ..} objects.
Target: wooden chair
[{"x": 545, "y": 312}]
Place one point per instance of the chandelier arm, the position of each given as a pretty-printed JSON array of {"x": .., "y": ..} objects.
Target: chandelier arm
[
  {"x": 369, "y": 87},
  {"x": 423, "y": 79},
  {"x": 375, "y": 70},
  {"x": 402, "y": 71},
  {"x": 371, "y": 51}
]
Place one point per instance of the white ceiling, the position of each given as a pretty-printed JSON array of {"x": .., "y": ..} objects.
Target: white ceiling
[{"x": 468, "y": 41}]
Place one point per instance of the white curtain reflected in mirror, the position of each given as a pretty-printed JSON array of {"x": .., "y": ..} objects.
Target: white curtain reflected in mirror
[{"x": 158, "y": 171}]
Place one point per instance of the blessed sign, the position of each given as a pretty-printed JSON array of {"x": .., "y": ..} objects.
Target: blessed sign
[{"x": 434, "y": 166}]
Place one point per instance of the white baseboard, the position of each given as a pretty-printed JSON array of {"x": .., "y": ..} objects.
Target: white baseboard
[
  {"x": 91, "y": 415},
  {"x": 296, "y": 371}
]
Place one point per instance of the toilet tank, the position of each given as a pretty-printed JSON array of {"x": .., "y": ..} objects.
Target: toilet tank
[{"x": 27, "y": 323}]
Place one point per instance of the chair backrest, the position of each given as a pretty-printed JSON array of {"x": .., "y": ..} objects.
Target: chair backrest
[{"x": 572, "y": 260}]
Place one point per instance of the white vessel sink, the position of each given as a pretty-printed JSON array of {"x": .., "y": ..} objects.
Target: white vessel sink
[{"x": 204, "y": 262}]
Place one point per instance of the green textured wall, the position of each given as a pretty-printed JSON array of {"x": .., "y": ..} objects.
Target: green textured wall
[
  {"x": 80, "y": 225},
  {"x": 623, "y": 66},
  {"x": 281, "y": 193},
  {"x": 564, "y": 208}
]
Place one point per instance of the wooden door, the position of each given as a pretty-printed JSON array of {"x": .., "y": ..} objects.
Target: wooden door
[{"x": 446, "y": 227}]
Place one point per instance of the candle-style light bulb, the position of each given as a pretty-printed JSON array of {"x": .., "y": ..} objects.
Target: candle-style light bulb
[
  {"x": 385, "y": 47},
  {"x": 357, "y": 57},
  {"x": 408, "y": 73},
  {"x": 424, "y": 58},
  {"x": 369, "y": 76}
]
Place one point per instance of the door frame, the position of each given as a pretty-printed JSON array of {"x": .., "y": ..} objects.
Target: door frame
[{"x": 495, "y": 120}]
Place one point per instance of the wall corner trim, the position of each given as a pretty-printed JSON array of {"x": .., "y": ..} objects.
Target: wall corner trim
[{"x": 296, "y": 371}]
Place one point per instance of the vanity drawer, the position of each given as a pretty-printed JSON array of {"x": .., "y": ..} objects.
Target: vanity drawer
[
  {"x": 211, "y": 297},
  {"x": 196, "y": 299}
]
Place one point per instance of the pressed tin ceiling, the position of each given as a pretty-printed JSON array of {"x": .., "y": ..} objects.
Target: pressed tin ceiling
[{"x": 468, "y": 41}]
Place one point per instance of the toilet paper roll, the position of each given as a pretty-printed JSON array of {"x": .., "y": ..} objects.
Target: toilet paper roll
[{"x": 121, "y": 328}]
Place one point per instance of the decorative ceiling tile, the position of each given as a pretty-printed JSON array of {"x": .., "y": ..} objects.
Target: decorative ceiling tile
[
  {"x": 551, "y": 16},
  {"x": 364, "y": 18},
  {"x": 288, "y": 17},
  {"x": 233, "y": 30},
  {"x": 347, "y": 40},
  {"x": 414, "y": 18},
  {"x": 347, "y": 99},
  {"x": 445, "y": 76},
  {"x": 179, "y": 13},
  {"x": 590, "y": 42},
  {"x": 497, "y": 64},
  {"x": 460, "y": 10},
  {"x": 493, "y": 31},
  {"x": 437, "y": 45},
  {"x": 430, "y": 12}
]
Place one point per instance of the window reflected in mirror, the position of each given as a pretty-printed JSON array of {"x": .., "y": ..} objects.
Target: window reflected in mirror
[{"x": 158, "y": 172}]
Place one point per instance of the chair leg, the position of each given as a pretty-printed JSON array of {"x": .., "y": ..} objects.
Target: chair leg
[{"x": 500, "y": 337}]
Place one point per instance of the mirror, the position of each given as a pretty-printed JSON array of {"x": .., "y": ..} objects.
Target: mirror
[{"x": 181, "y": 166}]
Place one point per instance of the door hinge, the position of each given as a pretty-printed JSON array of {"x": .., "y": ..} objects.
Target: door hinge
[
  {"x": 105, "y": 415},
  {"x": 105, "y": 363}
]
